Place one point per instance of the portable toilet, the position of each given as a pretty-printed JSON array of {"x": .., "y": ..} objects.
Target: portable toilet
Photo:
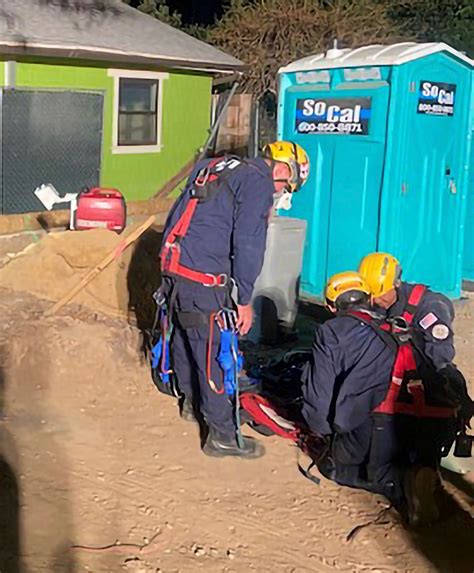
[
  {"x": 387, "y": 132},
  {"x": 468, "y": 267}
]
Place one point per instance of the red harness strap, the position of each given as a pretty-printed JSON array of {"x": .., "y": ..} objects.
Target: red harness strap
[
  {"x": 404, "y": 370},
  {"x": 404, "y": 366},
  {"x": 404, "y": 363},
  {"x": 171, "y": 250},
  {"x": 264, "y": 413},
  {"x": 414, "y": 300}
]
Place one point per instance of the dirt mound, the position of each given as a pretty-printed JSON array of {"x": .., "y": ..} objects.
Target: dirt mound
[{"x": 51, "y": 267}]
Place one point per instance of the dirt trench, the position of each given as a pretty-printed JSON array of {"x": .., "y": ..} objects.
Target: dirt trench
[{"x": 91, "y": 454}]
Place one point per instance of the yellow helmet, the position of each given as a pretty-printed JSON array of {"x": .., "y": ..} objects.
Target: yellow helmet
[
  {"x": 382, "y": 272},
  {"x": 348, "y": 288},
  {"x": 292, "y": 155}
]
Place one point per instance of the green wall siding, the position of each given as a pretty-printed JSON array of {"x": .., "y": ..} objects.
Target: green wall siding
[{"x": 185, "y": 121}]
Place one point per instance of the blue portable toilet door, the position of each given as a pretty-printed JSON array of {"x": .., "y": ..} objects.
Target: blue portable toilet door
[
  {"x": 341, "y": 199},
  {"x": 312, "y": 202},
  {"x": 468, "y": 263},
  {"x": 425, "y": 220}
]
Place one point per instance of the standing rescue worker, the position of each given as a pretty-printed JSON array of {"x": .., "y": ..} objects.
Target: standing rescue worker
[
  {"x": 370, "y": 394},
  {"x": 432, "y": 315},
  {"x": 214, "y": 238}
]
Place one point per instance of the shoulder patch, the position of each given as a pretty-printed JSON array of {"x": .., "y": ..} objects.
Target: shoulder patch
[
  {"x": 428, "y": 320},
  {"x": 440, "y": 332}
]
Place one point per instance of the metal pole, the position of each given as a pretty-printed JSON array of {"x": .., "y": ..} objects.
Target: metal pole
[
  {"x": 217, "y": 123},
  {"x": 256, "y": 131}
]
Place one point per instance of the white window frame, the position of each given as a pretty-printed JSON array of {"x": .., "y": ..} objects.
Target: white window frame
[{"x": 117, "y": 75}]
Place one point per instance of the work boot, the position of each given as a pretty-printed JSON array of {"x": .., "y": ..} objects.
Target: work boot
[
  {"x": 327, "y": 467},
  {"x": 421, "y": 485},
  {"x": 220, "y": 445},
  {"x": 187, "y": 411}
]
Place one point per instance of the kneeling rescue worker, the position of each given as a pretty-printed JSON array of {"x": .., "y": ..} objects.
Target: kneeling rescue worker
[
  {"x": 429, "y": 313},
  {"x": 214, "y": 238},
  {"x": 380, "y": 403}
]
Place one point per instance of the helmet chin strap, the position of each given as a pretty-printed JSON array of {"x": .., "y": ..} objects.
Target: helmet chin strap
[
  {"x": 289, "y": 187},
  {"x": 283, "y": 200}
]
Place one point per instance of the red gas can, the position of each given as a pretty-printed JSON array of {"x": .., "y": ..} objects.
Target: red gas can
[{"x": 100, "y": 208}]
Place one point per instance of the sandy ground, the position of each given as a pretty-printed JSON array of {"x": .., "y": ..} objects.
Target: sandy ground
[{"x": 91, "y": 455}]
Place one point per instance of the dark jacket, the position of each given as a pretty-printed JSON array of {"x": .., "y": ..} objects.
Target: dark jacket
[
  {"x": 348, "y": 375},
  {"x": 433, "y": 322},
  {"x": 228, "y": 233}
]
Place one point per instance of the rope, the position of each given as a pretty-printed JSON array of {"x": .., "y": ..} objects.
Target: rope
[
  {"x": 307, "y": 472},
  {"x": 149, "y": 547},
  {"x": 165, "y": 338},
  {"x": 376, "y": 521}
]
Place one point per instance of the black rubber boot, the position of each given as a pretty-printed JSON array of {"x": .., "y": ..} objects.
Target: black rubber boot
[
  {"x": 187, "y": 411},
  {"x": 219, "y": 446}
]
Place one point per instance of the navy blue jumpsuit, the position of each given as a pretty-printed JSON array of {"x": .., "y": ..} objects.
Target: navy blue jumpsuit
[
  {"x": 227, "y": 235},
  {"x": 346, "y": 379},
  {"x": 433, "y": 319},
  {"x": 433, "y": 327}
]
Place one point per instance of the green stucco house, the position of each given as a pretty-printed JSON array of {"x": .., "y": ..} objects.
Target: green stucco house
[{"x": 95, "y": 92}]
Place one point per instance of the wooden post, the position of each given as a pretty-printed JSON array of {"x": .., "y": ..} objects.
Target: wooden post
[{"x": 235, "y": 131}]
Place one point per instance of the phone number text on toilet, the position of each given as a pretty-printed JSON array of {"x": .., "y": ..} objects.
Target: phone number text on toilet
[{"x": 343, "y": 116}]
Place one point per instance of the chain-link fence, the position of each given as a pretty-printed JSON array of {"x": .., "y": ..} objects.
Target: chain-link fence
[{"x": 48, "y": 137}]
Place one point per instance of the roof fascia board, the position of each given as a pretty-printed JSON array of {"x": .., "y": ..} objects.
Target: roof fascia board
[{"x": 98, "y": 54}]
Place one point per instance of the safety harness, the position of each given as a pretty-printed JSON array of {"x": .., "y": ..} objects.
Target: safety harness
[
  {"x": 229, "y": 357},
  {"x": 205, "y": 186},
  {"x": 161, "y": 333},
  {"x": 231, "y": 361},
  {"x": 406, "y": 392},
  {"x": 209, "y": 181},
  {"x": 160, "y": 353}
]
